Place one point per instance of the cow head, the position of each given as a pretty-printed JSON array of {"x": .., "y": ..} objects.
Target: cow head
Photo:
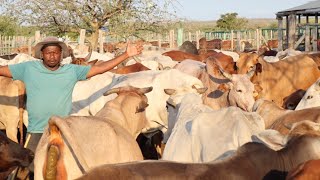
[
  {"x": 246, "y": 62},
  {"x": 12, "y": 155},
  {"x": 82, "y": 61},
  {"x": 177, "y": 94},
  {"x": 131, "y": 103},
  {"x": 240, "y": 89}
]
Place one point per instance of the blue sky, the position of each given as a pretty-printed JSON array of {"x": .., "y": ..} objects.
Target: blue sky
[{"x": 212, "y": 9}]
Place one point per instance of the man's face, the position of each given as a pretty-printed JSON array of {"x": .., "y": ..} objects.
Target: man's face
[{"x": 51, "y": 56}]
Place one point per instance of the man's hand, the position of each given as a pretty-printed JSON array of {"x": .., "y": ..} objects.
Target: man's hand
[{"x": 133, "y": 49}]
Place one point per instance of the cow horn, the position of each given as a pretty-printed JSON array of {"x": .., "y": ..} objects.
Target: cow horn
[
  {"x": 136, "y": 59},
  {"x": 169, "y": 91},
  {"x": 111, "y": 91},
  {"x": 89, "y": 54},
  {"x": 251, "y": 72},
  {"x": 200, "y": 90},
  {"x": 145, "y": 90},
  {"x": 71, "y": 54},
  {"x": 225, "y": 74},
  {"x": 160, "y": 66}
]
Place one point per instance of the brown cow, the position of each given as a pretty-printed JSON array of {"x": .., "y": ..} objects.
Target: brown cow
[
  {"x": 137, "y": 67},
  {"x": 252, "y": 161},
  {"x": 305, "y": 171},
  {"x": 180, "y": 56},
  {"x": 279, "y": 79},
  {"x": 12, "y": 155},
  {"x": 189, "y": 47}
]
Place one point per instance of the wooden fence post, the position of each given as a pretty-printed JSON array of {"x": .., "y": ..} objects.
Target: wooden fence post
[
  {"x": 257, "y": 35},
  {"x": 81, "y": 40},
  {"x": 307, "y": 39},
  {"x": 171, "y": 39},
  {"x": 159, "y": 40},
  {"x": 37, "y": 37},
  {"x": 197, "y": 38},
  {"x": 314, "y": 39},
  {"x": 101, "y": 41},
  {"x": 231, "y": 38},
  {"x": 82, "y": 36},
  {"x": 238, "y": 42},
  {"x": 30, "y": 46}
]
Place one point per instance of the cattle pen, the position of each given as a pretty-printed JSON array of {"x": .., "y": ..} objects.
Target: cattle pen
[{"x": 234, "y": 40}]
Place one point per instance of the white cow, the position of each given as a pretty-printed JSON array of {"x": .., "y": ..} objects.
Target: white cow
[
  {"x": 311, "y": 98},
  {"x": 21, "y": 57},
  {"x": 201, "y": 134},
  {"x": 154, "y": 59},
  {"x": 92, "y": 100}
]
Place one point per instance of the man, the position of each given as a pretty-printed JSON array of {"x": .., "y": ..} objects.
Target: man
[{"x": 49, "y": 84}]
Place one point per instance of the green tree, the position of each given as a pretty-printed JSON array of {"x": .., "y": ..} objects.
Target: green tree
[
  {"x": 8, "y": 26},
  {"x": 230, "y": 21},
  {"x": 123, "y": 17}
]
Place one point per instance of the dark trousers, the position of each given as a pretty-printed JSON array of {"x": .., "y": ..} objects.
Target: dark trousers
[{"x": 32, "y": 144}]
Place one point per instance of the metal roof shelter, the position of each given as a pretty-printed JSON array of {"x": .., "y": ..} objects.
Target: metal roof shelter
[{"x": 293, "y": 20}]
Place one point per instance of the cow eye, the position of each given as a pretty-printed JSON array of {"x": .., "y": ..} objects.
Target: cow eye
[{"x": 239, "y": 90}]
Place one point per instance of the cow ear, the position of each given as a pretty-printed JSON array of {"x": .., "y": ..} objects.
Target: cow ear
[
  {"x": 258, "y": 68},
  {"x": 225, "y": 87},
  {"x": 271, "y": 138},
  {"x": 142, "y": 107},
  {"x": 91, "y": 63}
]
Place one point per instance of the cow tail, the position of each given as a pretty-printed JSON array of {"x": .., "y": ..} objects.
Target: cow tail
[
  {"x": 54, "y": 167},
  {"x": 21, "y": 98}
]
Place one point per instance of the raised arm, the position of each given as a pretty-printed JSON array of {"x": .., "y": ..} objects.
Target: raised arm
[
  {"x": 131, "y": 50},
  {"x": 4, "y": 71}
]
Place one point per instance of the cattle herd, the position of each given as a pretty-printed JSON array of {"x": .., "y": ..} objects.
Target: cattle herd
[{"x": 180, "y": 113}]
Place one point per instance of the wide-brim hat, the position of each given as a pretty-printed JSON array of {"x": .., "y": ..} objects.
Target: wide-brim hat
[{"x": 50, "y": 40}]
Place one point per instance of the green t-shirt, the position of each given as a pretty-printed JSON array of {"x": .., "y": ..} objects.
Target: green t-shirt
[{"x": 48, "y": 92}]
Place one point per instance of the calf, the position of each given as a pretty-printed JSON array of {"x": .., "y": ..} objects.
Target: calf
[{"x": 12, "y": 155}]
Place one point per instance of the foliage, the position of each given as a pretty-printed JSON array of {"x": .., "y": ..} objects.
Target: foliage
[
  {"x": 8, "y": 26},
  {"x": 121, "y": 17},
  {"x": 230, "y": 21}
]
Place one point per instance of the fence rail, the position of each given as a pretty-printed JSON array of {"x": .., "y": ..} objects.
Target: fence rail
[{"x": 11, "y": 44}]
